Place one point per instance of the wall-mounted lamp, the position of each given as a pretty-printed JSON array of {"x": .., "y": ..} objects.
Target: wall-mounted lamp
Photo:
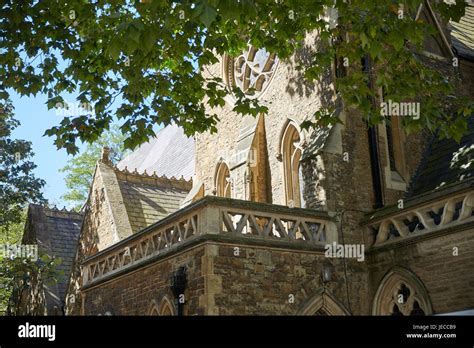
[
  {"x": 178, "y": 286},
  {"x": 327, "y": 271}
]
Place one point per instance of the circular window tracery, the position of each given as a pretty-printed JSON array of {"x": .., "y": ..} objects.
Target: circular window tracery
[{"x": 251, "y": 71}]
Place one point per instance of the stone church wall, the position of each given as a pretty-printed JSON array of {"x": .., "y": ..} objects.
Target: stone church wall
[
  {"x": 256, "y": 280},
  {"x": 287, "y": 96},
  {"x": 445, "y": 272},
  {"x": 135, "y": 292},
  {"x": 337, "y": 176}
]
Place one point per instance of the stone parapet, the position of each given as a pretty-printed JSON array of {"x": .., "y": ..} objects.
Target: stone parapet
[{"x": 244, "y": 220}]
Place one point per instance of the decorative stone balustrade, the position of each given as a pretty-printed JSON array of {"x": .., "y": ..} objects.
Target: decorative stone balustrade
[
  {"x": 211, "y": 216},
  {"x": 446, "y": 212}
]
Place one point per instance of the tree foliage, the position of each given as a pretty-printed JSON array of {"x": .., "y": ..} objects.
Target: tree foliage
[
  {"x": 80, "y": 169},
  {"x": 9, "y": 234},
  {"x": 18, "y": 184},
  {"x": 20, "y": 275},
  {"x": 153, "y": 53}
]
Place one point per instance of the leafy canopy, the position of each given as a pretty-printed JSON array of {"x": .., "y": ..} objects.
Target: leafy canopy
[{"x": 153, "y": 53}]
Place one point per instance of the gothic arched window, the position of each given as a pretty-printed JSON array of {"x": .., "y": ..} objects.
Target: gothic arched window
[
  {"x": 153, "y": 309},
  {"x": 164, "y": 309},
  {"x": 223, "y": 185},
  {"x": 291, "y": 156},
  {"x": 395, "y": 144},
  {"x": 395, "y": 139},
  {"x": 401, "y": 293}
]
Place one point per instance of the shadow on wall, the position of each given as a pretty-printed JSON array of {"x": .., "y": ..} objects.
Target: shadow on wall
[
  {"x": 299, "y": 84},
  {"x": 323, "y": 90}
]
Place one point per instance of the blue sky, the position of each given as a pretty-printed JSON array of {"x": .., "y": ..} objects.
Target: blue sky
[{"x": 35, "y": 118}]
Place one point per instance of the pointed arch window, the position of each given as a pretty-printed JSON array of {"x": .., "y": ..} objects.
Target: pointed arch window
[
  {"x": 223, "y": 182},
  {"x": 164, "y": 309},
  {"x": 291, "y": 156},
  {"x": 401, "y": 293},
  {"x": 154, "y": 310},
  {"x": 394, "y": 143},
  {"x": 395, "y": 139}
]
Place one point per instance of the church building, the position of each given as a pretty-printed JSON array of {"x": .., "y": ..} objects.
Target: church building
[{"x": 264, "y": 217}]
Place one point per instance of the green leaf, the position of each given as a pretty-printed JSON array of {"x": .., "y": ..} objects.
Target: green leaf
[
  {"x": 133, "y": 34},
  {"x": 208, "y": 15},
  {"x": 148, "y": 38},
  {"x": 114, "y": 49},
  {"x": 364, "y": 39}
]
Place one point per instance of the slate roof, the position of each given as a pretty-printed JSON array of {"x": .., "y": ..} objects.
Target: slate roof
[
  {"x": 170, "y": 153},
  {"x": 56, "y": 232},
  {"x": 149, "y": 202},
  {"x": 462, "y": 33},
  {"x": 445, "y": 163}
]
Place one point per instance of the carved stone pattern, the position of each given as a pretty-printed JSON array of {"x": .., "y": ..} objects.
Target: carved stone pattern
[
  {"x": 150, "y": 245},
  {"x": 435, "y": 216},
  {"x": 271, "y": 226},
  {"x": 256, "y": 223},
  {"x": 251, "y": 71}
]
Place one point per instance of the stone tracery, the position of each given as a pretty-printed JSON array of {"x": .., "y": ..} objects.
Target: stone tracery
[
  {"x": 251, "y": 71},
  {"x": 401, "y": 293}
]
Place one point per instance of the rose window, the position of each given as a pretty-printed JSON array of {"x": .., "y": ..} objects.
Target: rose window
[{"x": 251, "y": 71}]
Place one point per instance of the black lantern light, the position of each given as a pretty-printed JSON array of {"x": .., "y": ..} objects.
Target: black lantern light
[
  {"x": 178, "y": 286},
  {"x": 327, "y": 271}
]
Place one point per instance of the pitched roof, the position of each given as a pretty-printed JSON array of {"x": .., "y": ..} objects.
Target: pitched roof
[
  {"x": 462, "y": 33},
  {"x": 445, "y": 163},
  {"x": 170, "y": 153},
  {"x": 149, "y": 198},
  {"x": 56, "y": 232}
]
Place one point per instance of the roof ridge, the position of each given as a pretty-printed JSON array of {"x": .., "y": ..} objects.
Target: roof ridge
[
  {"x": 152, "y": 179},
  {"x": 146, "y": 175},
  {"x": 63, "y": 210},
  {"x": 54, "y": 210}
]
